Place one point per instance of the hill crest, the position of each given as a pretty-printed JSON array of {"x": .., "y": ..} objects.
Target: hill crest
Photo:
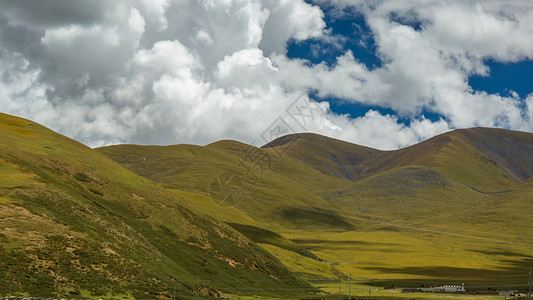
[{"x": 504, "y": 148}]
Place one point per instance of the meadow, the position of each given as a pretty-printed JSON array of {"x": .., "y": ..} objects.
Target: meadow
[
  {"x": 291, "y": 220},
  {"x": 440, "y": 212}
]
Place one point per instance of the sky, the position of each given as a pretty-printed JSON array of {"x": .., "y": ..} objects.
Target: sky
[{"x": 385, "y": 74}]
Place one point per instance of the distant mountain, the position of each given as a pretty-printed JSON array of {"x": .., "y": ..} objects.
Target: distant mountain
[
  {"x": 329, "y": 156},
  {"x": 488, "y": 159},
  {"x": 74, "y": 223},
  {"x": 465, "y": 193},
  {"x": 274, "y": 187},
  {"x": 510, "y": 150},
  {"x": 286, "y": 220}
]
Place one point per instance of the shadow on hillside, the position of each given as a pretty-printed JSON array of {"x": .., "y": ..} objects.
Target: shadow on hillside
[
  {"x": 308, "y": 218},
  {"x": 327, "y": 244},
  {"x": 505, "y": 253},
  {"x": 513, "y": 276}
]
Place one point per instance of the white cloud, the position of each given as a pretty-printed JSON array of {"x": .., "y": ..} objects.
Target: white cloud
[
  {"x": 204, "y": 37},
  {"x": 291, "y": 19},
  {"x": 427, "y": 68},
  {"x": 482, "y": 30},
  {"x": 166, "y": 57},
  {"x": 247, "y": 69},
  {"x": 136, "y": 21},
  {"x": 155, "y": 11},
  {"x": 21, "y": 93},
  {"x": 187, "y": 71}
]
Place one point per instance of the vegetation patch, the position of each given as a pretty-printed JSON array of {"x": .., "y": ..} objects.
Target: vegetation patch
[{"x": 82, "y": 177}]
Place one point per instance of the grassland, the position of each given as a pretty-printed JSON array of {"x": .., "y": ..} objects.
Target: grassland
[
  {"x": 290, "y": 220},
  {"x": 76, "y": 224},
  {"x": 453, "y": 209}
]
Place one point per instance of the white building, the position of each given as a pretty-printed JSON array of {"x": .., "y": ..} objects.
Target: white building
[{"x": 453, "y": 288}]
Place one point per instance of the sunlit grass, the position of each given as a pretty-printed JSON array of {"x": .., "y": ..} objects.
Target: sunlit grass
[
  {"x": 441, "y": 213},
  {"x": 437, "y": 213},
  {"x": 74, "y": 223}
]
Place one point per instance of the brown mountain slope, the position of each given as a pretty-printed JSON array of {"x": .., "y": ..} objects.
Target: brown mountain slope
[
  {"x": 274, "y": 191},
  {"x": 511, "y": 150},
  {"x": 74, "y": 223},
  {"x": 330, "y": 156},
  {"x": 446, "y": 207},
  {"x": 488, "y": 160}
]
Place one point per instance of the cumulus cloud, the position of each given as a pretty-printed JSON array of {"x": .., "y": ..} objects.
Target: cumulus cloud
[
  {"x": 429, "y": 49},
  {"x": 187, "y": 71},
  {"x": 37, "y": 15}
]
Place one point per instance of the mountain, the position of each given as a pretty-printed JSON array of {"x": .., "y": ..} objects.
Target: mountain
[
  {"x": 74, "y": 223},
  {"x": 487, "y": 159},
  {"x": 287, "y": 220},
  {"x": 510, "y": 150},
  {"x": 268, "y": 183},
  {"x": 453, "y": 208},
  {"x": 330, "y": 156}
]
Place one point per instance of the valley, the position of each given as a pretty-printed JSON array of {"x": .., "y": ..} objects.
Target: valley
[{"x": 290, "y": 220}]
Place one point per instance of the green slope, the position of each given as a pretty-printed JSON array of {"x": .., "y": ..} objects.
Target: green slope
[
  {"x": 444, "y": 210},
  {"x": 399, "y": 193},
  {"x": 460, "y": 155},
  {"x": 275, "y": 191},
  {"x": 329, "y": 156},
  {"x": 460, "y": 178},
  {"x": 76, "y": 224},
  {"x": 508, "y": 149}
]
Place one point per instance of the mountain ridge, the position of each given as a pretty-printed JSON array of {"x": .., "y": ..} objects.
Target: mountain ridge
[
  {"x": 447, "y": 188},
  {"x": 355, "y": 162},
  {"x": 76, "y": 223},
  {"x": 291, "y": 218}
]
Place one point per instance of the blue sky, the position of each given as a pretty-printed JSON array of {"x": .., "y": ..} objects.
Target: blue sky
[
  {"x": 357, "y": 36},
  {"x": 506, "y": 77},
  {"x": 385, "y": 74}
]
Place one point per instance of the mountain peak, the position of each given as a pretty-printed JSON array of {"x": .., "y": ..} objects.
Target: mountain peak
[{"x": 285, "y": 140}]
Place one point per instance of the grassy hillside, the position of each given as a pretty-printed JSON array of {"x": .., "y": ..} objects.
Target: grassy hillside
[
  {"x": 508, "y": 149},
  {"x": 266, "y": 188},
  {"x": 329, "y": 156},
  {"x": 448, "y": 210},
  {"x": 458, "y": 154},
  {"x": 74, "y": 223}
]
